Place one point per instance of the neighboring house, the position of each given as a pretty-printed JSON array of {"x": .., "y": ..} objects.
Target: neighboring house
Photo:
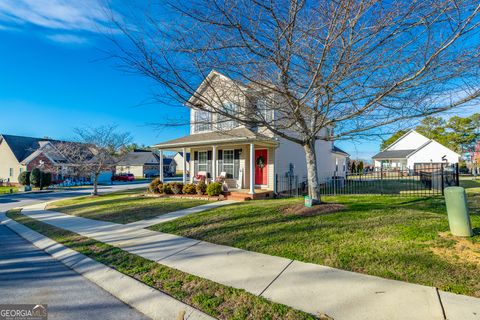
[
  {"x": 413, "y": 148},
  {"x": 251, "y": 158},
  {"x": 169, "y": 167},
  {"x": 20, "y": 154},
  {"x": 140, "y": 163},
  {"x": 178, "y": 157}
]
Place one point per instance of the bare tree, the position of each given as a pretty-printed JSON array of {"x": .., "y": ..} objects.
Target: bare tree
[
  {"x": 95, "y": 151},
  {"x": 351, "y": 66}
]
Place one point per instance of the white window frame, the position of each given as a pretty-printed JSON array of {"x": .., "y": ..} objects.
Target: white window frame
[
  {"x": 200, "y": 164},
  {"x": 203, "y": 121},
  {"x": 232, "y": 164},
  {"x": 224, "y": 122},
  {"x": 264, "y": 110}
]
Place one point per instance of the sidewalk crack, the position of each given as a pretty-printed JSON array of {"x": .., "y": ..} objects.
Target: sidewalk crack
[
  {"x": 274, "y": 279},
  {"x": 177, "y": 252},
  {"x": 441, "y": 304}
]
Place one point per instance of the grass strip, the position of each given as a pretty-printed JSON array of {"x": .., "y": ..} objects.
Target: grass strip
[{"x": 217, "y": 300}]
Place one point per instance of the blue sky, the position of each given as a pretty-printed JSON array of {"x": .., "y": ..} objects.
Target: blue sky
[{"x": 55, "y": 76}]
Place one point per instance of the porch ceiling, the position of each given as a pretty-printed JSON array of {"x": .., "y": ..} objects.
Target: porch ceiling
[{"x": 235, "y": 136}]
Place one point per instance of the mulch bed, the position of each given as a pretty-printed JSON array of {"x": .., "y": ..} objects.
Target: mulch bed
[
  {"x": 301, "y": 210},
  {"x": 186, "y": 196}
]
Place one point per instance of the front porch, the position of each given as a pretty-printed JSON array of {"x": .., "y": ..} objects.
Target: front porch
[{"x": 246, "y": 164}]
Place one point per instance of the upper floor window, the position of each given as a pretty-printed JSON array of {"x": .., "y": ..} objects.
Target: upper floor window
[
  {"x": 264, "y": 111},
  {"x": 203, "y": 121},
  {"x": 224, "y": 122}
]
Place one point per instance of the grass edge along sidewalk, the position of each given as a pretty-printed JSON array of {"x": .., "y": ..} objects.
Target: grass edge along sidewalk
[{"x": 214, "y": 299}]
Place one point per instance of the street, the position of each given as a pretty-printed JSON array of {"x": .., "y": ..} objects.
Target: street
[{"x": 30, "y": 276}]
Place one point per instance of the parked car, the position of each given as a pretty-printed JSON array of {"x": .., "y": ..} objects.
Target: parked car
[{"x": 124, "y": 177}]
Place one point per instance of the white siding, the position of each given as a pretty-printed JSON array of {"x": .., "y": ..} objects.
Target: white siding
[
  {"x": 411, "y": 141},
  {"x": 290, "y": 152},
  {"x": 433, "y": 152},
  {"x": 7, "y": 162}
]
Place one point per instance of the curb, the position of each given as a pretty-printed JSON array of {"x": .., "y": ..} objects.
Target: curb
[{"x": 151, "y": 302}]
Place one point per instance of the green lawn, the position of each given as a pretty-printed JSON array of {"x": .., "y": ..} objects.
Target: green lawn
[
  {"x": 4, "y": 189},
  {"x": 122, "y": 207},
  {"x": 217, "y": 300},
  {"x": 402, "y": 238}
]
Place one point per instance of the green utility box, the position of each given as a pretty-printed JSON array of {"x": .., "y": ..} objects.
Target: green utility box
[
  {"x": 457, "y": 209},
  {"x": 308, "y": 202}
]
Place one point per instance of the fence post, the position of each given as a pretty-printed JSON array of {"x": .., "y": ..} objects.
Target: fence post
[
  {"x": 457, "y": 174},
  {"x": 381, "y": 179},
  {"x": 296, "y": 185},
  {"x": 276, "y": 183},
  {"x": 442, "y": 177},
  {"x": 335, "y": 183}
]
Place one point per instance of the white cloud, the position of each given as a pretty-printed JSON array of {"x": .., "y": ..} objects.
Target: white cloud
[
  {"x": 77, "y": 16},
  {"x": 68, "y": 38}
]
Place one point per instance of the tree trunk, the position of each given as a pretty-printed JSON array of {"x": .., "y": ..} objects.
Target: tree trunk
[
  {"x": 95, "y": 185},
  {"x": 312, "y": 173}
]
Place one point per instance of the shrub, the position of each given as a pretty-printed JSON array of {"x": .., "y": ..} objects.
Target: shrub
[
  {"x": 214, "y": 189},
  {"x": 177, "y": 187},
  {"x": 189, "y": 188},
  {"x": 35, "y": 177},
  {"x": 167, "y": 188},
  {"x": 24, "y": 178},
  {"x": 46, "y": 180},
  {"x": 160, "y": 188},
  {"x": 201, "y": 187},
  {"x": 154, "y": 186}
]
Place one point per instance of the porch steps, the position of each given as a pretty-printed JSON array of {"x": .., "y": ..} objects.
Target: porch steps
[{"x": 243, "y": 195}]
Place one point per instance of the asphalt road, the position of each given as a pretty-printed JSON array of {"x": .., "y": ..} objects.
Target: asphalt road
[
  {"x": 31, "y": 276},
  {"x": 17, "y": 200}
]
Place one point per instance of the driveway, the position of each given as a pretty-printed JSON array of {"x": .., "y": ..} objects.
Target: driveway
[{"x": 30, "y": 276}]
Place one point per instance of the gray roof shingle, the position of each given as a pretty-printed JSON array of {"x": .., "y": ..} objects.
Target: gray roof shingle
[
  {"x": 393, "y": 154},
  {"x": 139, "y": 158},
  {"x": 22, "y": 147},
  {"x": 238, "y": 134}
]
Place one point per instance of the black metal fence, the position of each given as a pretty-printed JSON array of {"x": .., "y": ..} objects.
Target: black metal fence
[{"x": 423, "y": 180}]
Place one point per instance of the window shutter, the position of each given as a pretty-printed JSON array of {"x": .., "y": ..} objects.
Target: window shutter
[
  {"x": 236, "y": 163},
  {"x": 220, "y": 154},
  {"x": 209, "y": 155},
  {"x": 195, "y": 156}
]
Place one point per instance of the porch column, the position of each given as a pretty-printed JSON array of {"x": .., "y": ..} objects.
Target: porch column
[
  {"x": 184, "y": 150},
  {"x": 252, "y": 168},
  {"x": 160, "y": 151},
  {"x": 214, "y": 162}
]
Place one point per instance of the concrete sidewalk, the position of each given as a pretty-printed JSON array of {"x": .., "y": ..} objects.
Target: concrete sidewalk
[{"x": 309, "y": 287}]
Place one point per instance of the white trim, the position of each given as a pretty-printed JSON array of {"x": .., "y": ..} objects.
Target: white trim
[{"x": 252, "y": 169}]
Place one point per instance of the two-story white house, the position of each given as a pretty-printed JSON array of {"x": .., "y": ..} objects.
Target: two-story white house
[{"x": 250, "y": 158}]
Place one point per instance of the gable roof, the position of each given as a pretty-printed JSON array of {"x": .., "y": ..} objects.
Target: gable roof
[
  {"x": 234, "y": 135},
  {"x": 22, "y": 147},
  {"x": 139, "y": 158},
  {"x": 338, "y": 150},
  {"x": 403, "y": 136}
]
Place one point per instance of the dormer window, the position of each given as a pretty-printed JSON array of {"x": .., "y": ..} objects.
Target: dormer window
[{"x": 203, "y": 121}]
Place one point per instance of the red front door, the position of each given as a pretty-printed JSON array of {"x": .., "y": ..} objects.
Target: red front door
[{"x": 261, "y": 167}]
